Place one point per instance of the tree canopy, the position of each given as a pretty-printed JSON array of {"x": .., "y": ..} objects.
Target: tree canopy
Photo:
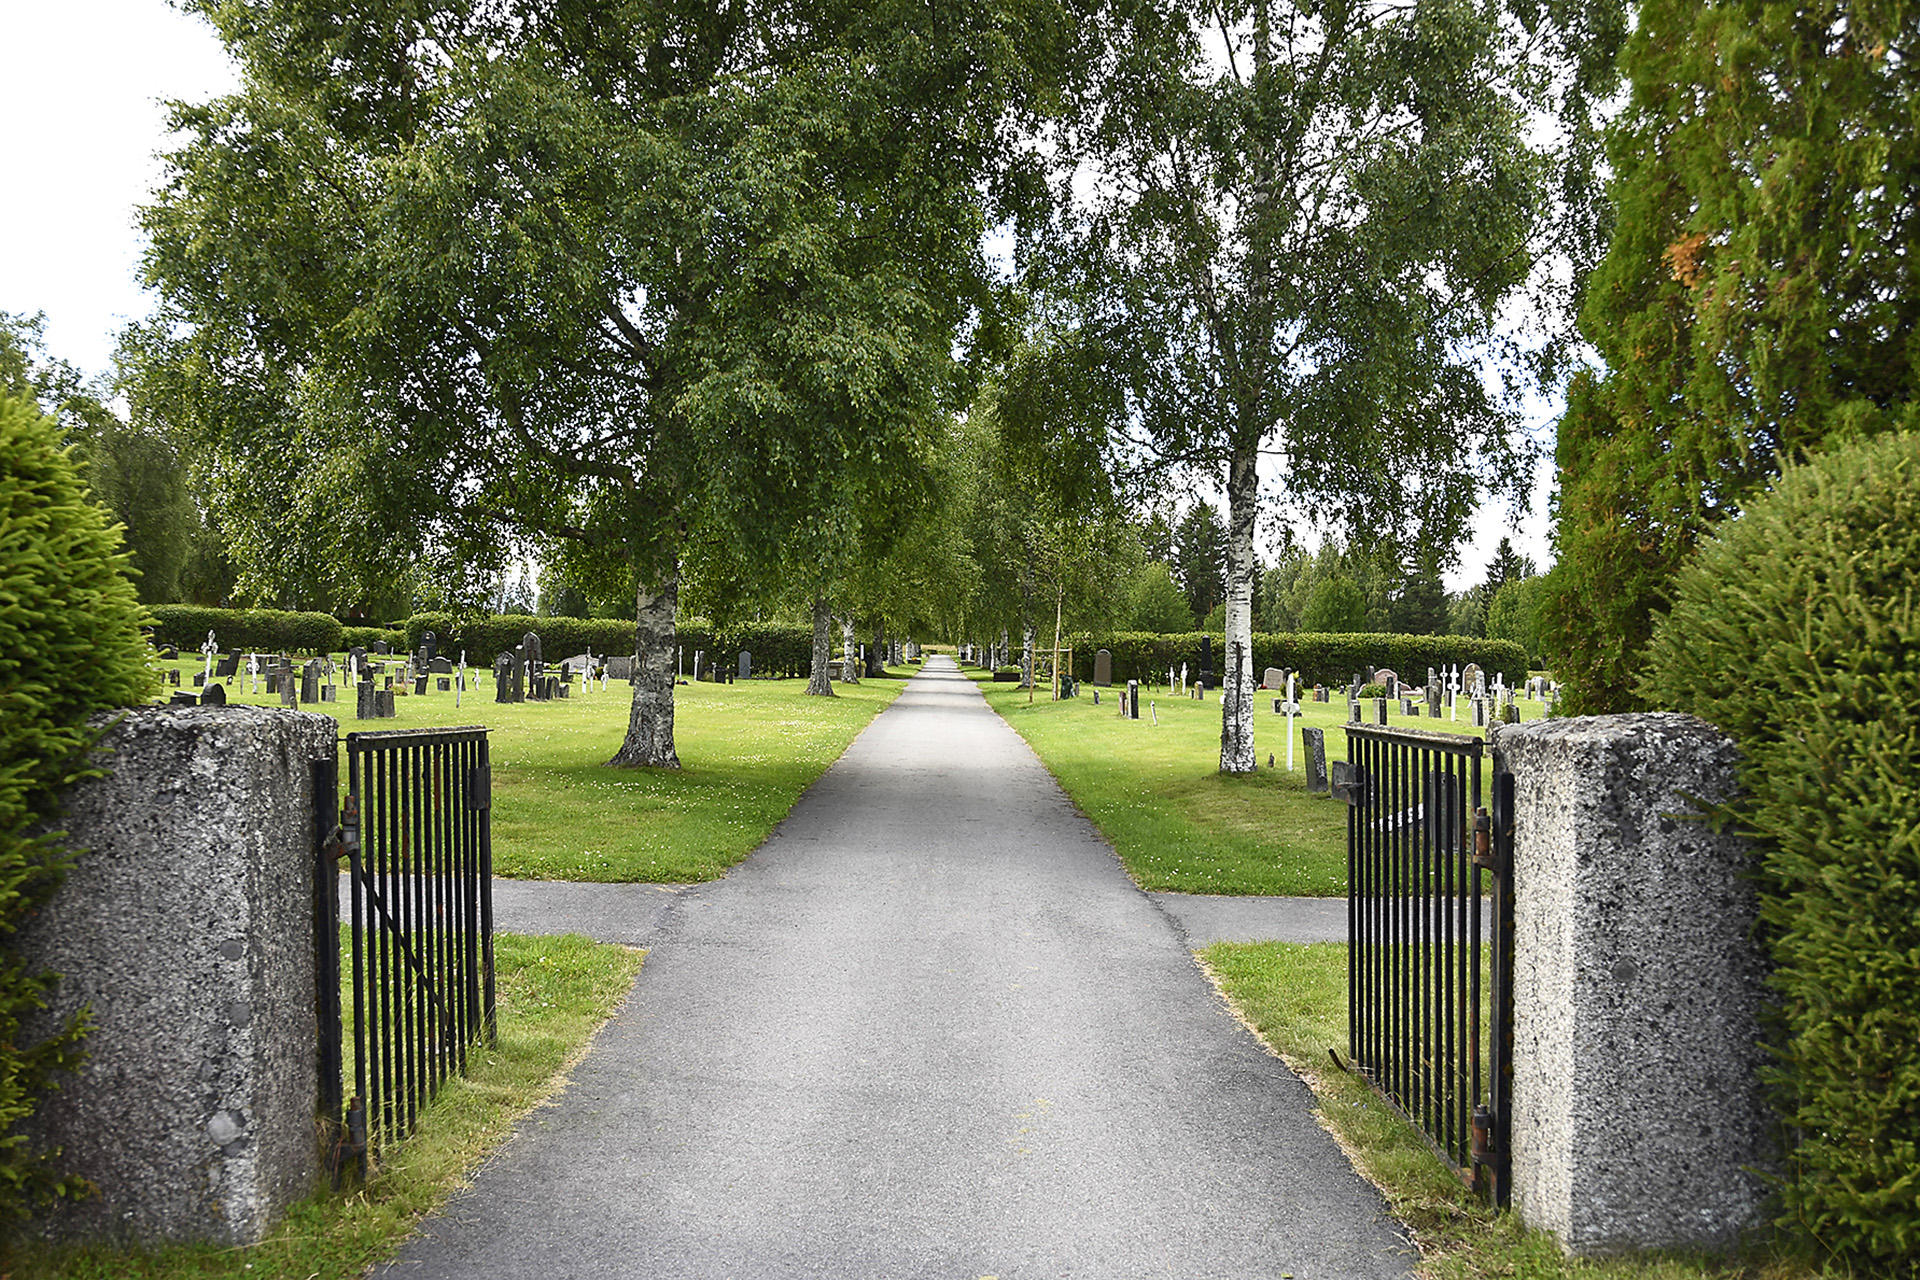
[
  {"x": 1757, "y": 298},
  {"x": 1293, "y": 231}
]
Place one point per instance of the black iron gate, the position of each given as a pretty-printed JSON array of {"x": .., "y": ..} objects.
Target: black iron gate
[
  {"x": 1430, "y": 923},
  {"x": 414, "y": 836}
]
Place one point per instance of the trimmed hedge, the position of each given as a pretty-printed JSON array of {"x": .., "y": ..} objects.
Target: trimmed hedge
[
  {"x": 367, "y": 637},
  {"x": 1330, "y": 658},
  {"x": 70, "y": 646},
  {"x": 1797, "y": 632},
  {"x": 777, "y": 650},
  {"x": 185, "y": 626}
]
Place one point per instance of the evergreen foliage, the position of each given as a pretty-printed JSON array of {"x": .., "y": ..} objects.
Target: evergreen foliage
[
  {"x": 1158, "y": 604},
  {"x": 1757, "y": 297},
  {"x": 1797, "y": 631},
  {"x": 1336, "y": 605},
  {"x": 1329, "y": 659},
  {"x": 185, "y": 626},
  {"x": 70, "y": 646}
]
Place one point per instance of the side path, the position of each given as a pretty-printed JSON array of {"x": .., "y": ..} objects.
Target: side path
[{"x": 930, "y": 1028}]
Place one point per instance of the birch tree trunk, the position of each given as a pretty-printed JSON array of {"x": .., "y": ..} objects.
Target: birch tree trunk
[
  {"x": 1026, "y": 655},
  {"x": 820, "y": 680},
  {"x": 849, "y": 665},
  {"x": 1236, "y": 689},
  {"x": 649, "y": 740}
]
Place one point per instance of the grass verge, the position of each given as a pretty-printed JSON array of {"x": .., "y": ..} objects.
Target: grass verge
[
  {"x": 747, "y": 751},
  {"x": 553, "y": 994},
  {"x": 1295, "y": 999}
]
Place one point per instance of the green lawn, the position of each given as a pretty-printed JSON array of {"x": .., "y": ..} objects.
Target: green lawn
[
  {"x": 747, "y": 751},
  {"x": 1156, "y": 792},
  {"x": 1295, "y": 998},
  {"x": 553, "y": 994}
]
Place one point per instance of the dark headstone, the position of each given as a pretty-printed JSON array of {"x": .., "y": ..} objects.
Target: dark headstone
[
  {"x": 289, "y": 694},
  {"x": 186, "y": 698},
  {"x": 530, "y": 648},
  {"x": 382, "y": 648},
  {"x": 273, "y": 682},
  {"x": 503, "y": 678},
  {"x": 199, "y": 678},
  {"x": 310, "y": 682},
  {"x": 1406, "y": 706},
  {"x": 1319, "y": 693},
  {"x": 1103, "y": 667},
  {"x": 1379, "y": 710},
  {"x": 227, "y": 667},
  {"x": 215, "y": 695},
  {"x": 173, "y": 677},
  {"x": 439, "y": 667},
  {"x": 327, "y": 692},
  {"x": 1344, "y": 781},
  {"x": 365, "y": 707},
  {"x": 1479, "y": 713},
  {"x": 1206, "y": 662},
  {"x": 168, "y": 652},
  {"x": 1315, "y": 741},
  {"x": 443, "y": 683},
  {"x": 1445, "y": 815},
  {"x": 388, "y": 682},
  {"x": 419, "y": 685},
  {"x": 1133, "y": 699},
  {"x": 619, "y": 668},
  {"x": 383, "y": 704},
  {"x": 564, "y": 688},
  {"x": 746, "y": 665},
  {"x": 356, "y": 657},
  {"x": 430, "y": 644},
  {"x": 1353, "y": 710}
]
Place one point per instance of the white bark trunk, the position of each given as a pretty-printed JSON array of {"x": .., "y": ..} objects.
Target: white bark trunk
[
  {"x": 820, "y": 679},
  {"x": 1026, "y": 656},
  {"x": 1236, "y": 686},
  {"x": 849, "y": 663},
  {"x": 649, "y": 740}
]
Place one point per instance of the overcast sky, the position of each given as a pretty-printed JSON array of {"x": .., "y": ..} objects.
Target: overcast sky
[{"x": 81, "y": 94}]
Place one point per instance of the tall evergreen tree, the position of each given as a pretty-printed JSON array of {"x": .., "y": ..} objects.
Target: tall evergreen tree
[
  {"x": 1758, "y": 298},
  {"x": 1200, "y": 551}
]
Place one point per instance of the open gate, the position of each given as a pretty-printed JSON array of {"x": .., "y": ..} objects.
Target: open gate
[
  {"x": 1430, "y": 927},
  {"x": 414, "y": 839}
]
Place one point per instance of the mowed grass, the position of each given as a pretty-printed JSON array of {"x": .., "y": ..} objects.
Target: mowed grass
[
  {"x": 553, "y": 993},
  {"x": 1295, "y": 998},
  {"x": 1156, "y": 792},
  {"x": 747, "y": 751}
]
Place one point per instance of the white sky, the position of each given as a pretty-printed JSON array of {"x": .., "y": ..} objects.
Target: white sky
[{"x": 81, "y": 92}]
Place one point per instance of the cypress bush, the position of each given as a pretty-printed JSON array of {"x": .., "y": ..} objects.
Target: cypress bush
[
  {"x": 185, "y": 626},
  {"x": 1329, "y": 658},
  {"x": 1797, "y": 632},
  {"x": 70, "y": 646}
]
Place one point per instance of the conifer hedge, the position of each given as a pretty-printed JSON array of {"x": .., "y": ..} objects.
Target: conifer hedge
[
  {"x": 776, "y": 650},
  {"x": 70, "y": 646},
  {"x": 185, "y": 627},
  {"x": 1797, "y": 632}
]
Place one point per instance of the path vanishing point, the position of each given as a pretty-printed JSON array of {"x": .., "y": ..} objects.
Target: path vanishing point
[{"x": 929, "y": 1029}]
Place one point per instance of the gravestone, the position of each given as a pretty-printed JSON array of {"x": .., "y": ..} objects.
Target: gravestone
[
  {"x": 199, "y": 678},
  {"x": 382, "y": 648},
  {"x": 1406, "y": 706},
  {"x": 1315, "y": 741},
  {"x": 530, "y": 648},
  {"x": 1103, "y": 667},
  {"x": 1274, "y": 678},
  {"x": 186, "y": 698},
  {"x": 1206, "y": 662},
  {"x": 1479, "y": 713},
  {"x": 173, "y": 677},
  {"x": 419, "y": 685},
  {"x": 289, "y": 695},
  {"x": 1319, "y": 693},
  {"x": 746, "y": 665},
  {"x": 1133, "y": 699},
  {"x": 1353, "y": 711},
  {"x": 1379, "y": 710},
  {"x": 439, "y": 667},
  {"x": 364, "y": 705},
  {"x": 1342, "y": 783},
  {"x": 1473, "y": 681},
  {"x": 310, "y": 682},
  {"x": 227, "y": 667},
  {"x": 619, "y": 668},
  {"x": 273, "y": 682},
  {"x": 326, "y": 693},
  {"x": 215, "y": 696},
  {"x": 430, "y": 645},
  {"x": 443, "y": 683},
  {"x": 168, "y": 653},
  {"x": 503, "y": 678},
  {"x": 1443, "y": 810},
  {"x": 383, "y": 704}
]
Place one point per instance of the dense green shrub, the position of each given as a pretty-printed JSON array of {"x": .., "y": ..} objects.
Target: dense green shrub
[
  {"x": 1331, "y": 659},
  {"x": 185, "y": 626},
  {"x": 70, "y": 646},
  {"x": 1797, "y": 632},
  {"x": 367, "y": 637}
]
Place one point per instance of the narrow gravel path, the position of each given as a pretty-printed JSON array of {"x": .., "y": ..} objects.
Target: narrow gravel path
[{"x": 930, "y": 1028}]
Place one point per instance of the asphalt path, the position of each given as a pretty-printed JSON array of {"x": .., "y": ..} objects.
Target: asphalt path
[{"x": 930, "y": 1028}]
